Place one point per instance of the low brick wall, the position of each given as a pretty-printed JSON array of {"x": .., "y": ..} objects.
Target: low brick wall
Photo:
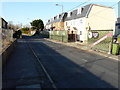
[{"x": 7, "y": 52}]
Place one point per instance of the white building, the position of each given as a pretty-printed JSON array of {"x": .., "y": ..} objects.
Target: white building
[
  {"x": 90, "y": 17},
  {"x": 48, "y": 25}
]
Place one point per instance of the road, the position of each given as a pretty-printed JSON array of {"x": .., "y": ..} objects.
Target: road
[{"x": 71, "y": 67}]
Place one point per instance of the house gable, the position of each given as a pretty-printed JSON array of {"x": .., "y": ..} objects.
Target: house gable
[
  {"x": 3, "y": 23},
  {"x": 101, "y": 17}
]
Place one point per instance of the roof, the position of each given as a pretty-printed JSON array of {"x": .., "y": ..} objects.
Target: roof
[
  {"x": 58, "y": 20},
  {"x": 3, "y": 19},
  {"x": 85, "y": 11}
]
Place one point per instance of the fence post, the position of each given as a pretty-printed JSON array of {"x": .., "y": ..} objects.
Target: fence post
[
  {"x": 62, "y": 38},
  {"x": 110, "y": 47}
]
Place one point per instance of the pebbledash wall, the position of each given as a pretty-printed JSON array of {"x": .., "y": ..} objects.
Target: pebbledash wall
[{"x": 6, "y": 34}]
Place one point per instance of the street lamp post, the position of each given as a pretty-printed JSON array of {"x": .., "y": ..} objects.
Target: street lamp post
[{"x": 60, "y": 5}]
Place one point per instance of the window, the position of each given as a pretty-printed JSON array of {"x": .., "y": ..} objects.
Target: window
[
  {"x": 119, "y": 27},
  {"x": 59, "y": 16},
  {"x": 66, "y": 23},
  {"x": 79, "y": 11},
  {"x": 68, "y": 14},
  {"x": 71, "y": 14},
  {"x": 4, "y": 24},
  {"x": 82, "y": 9},
  {"x": 80, "y": 32},
  {"x": 55, "y": 18},
  {"x": 48, "y": 20},
  {"x": 73, "y": 22},
  {"x": 81, "y": 21}
]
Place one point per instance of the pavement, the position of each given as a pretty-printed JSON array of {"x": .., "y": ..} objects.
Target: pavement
[
  {"x": 20, "y": 70},
  {"x": 83, "y": 47}
]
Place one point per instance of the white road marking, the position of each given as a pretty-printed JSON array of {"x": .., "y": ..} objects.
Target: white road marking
[{"x": 85, "y": 60}]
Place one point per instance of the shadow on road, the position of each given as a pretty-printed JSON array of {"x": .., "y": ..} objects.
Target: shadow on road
[{"x": 64, "y": 72}]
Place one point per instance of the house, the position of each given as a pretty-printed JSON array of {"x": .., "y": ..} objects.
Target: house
[
  {"x": 48, "y": 24},
  {"x": 3, "y": 23},
  {"x": 82, "y": 22},
  {"x": 57, "y": 22},
  {"x": 117, "y": 29},
  {"x": 89, "y": 18}
]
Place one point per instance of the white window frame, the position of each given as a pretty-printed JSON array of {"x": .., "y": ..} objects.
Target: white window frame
[
  {"x": 79, "y": 11},
  {"x": 68, "y": 14}
]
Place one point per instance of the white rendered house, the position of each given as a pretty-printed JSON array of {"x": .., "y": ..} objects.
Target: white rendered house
[{"x": 90, "y": 17}]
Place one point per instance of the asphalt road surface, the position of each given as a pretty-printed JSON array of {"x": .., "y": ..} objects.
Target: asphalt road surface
[{"x": 71, "y": 67}]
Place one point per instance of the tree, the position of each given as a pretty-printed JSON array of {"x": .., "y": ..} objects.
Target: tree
[
  {"x": 25, "y": 30},
  {"x": 17, "y": 26},
  {"x": 13, "y": 26},
  {"x": 38, "y": 25},
  {"x": 10, "y": 25}
]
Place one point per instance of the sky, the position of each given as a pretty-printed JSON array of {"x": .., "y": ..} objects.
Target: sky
[
  {"x": 119, "y": 9},
  {"x": 26, "y": 11}
]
